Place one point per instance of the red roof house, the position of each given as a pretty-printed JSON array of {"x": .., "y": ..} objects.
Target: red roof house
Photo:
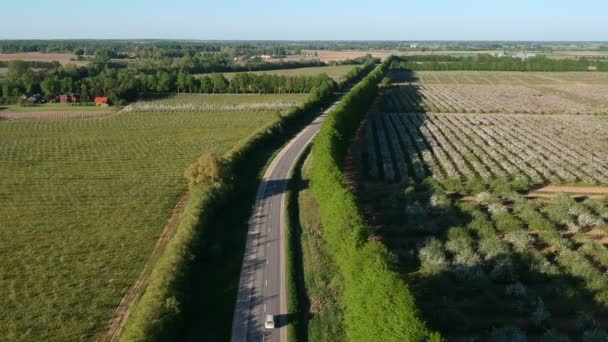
[
  {"x": 101, "y": 101},
  {"x": 69, "y": 98}
]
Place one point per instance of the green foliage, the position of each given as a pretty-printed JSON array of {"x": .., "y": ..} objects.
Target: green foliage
[
  {"x": 490, "y": 63},
  {"x": 207, "y": 171},
  {"x": 371, "y": 288},
  {"x": 505, "y": 222}
]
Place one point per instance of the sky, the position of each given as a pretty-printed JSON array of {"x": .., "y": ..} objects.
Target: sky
[{"x": 528, "y": 20}]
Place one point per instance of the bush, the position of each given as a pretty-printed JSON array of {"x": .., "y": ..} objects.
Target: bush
[
  {"x": 508, "y": 334},
  {"x": 519, "y": 239},
  {"x": 505, "y": 222},
  {"x": 432, "y": 257},
  {"x": 492, "y": 247},
  {"x": 208, "y": 170},
  {"x": 554, "y": 336},
  {"x": 516, "y": 290}
]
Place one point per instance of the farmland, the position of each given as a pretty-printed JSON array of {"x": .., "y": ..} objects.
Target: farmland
[
  {"x": 461, "y": 198},
  {"x": 63, "y": 58},
  {"x": 82, "y": 202},
  {"x": 498, "y": 92},
  {"x": 336, "y": 72},
  {"x": 53, "y": 111}
]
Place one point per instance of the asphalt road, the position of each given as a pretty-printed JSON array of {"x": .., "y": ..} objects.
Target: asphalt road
[{"x": 262, "y": 287}]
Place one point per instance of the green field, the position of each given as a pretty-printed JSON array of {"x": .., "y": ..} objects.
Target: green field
[
  {"x": 52, "y": 107},
  {"x": 336, "y": 72},
  {"x": 82, "y": 202}
]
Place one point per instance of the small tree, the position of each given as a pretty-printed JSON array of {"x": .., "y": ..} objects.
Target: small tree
[{"x": 209, "y": 170}]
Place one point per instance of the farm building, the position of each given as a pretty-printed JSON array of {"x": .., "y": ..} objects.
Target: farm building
[
  {"x": 69, "y": 98},
  {"x": 101, "y": 101}
]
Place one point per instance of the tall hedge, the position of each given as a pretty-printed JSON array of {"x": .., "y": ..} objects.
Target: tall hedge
[{"x": 378, "y": 305}]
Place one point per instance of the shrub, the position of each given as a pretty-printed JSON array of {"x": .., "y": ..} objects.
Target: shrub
[
  {"x": 540, "y": 315},
  {"x": 503, "y": 269},
  {"x": 516, "y": 290},
  {"x": 208, "y": 170},
  {"x": 507, "y": 334},
  {"x": 432, "y": 256},
  {"x": 554, "y": 336},
  {"x": 491, "y": 247},
  {"x": 595, "y": 335},
  {"x": 505, "y": 222},
  {"x": 519, "y": 239}
]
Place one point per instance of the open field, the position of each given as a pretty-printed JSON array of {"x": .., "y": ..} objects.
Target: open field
[
  {"x": 53, "y": 111},
  {"x": 83, "y": 201},
  {"x": 336, "y": 72},
  {"x": 557, "y": 149},
  {"x": 63, "y": 58}
]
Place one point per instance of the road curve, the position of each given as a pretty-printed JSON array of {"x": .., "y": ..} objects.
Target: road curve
[{"x": 262, "y": 286}]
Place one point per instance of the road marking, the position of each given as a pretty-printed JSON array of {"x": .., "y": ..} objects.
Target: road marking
[
  {"x": 264, "y": 307},
  {"x": 266, "y": 261},
  {"x": 266, "y": 282},
  {"x": 267, "y": 244}
]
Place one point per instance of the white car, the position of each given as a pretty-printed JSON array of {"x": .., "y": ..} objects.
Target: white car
[{"x": 269, "y": 322}]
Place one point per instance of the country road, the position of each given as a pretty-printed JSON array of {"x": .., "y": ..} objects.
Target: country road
[{"x": 262, "y": 286}]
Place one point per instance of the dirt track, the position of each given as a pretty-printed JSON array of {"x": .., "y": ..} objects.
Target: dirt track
[
  {"x": 575, "y": 189},
  {"x": 121, "y": 314}
]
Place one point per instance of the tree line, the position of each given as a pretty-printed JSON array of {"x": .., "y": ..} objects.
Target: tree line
[
  {"x": 124, "y": 84},
  {"x": 486, "y": 62}
]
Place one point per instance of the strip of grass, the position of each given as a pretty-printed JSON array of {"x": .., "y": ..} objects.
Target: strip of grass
[
  {"x": 52, "y": 107},
  {"x": 322, "y": 279}
]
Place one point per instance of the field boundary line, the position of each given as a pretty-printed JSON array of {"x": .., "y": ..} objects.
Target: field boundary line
[{"x": 122, "y": 312}]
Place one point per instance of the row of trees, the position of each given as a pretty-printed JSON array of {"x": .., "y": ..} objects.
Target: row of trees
[
  {"x": 103, "y": 76},
  {"x": 124, "y": 85},
  {"x": 492, "y": 63},
  {"x": 121, "y": 85},
  {"x": 370, "y": 288}
]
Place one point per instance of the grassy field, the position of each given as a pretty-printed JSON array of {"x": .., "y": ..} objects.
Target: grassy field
[
  {"x": 52, "y": 107},
  {"x": 82, "y": 202},
  {"x": 335, "y": 72}
]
